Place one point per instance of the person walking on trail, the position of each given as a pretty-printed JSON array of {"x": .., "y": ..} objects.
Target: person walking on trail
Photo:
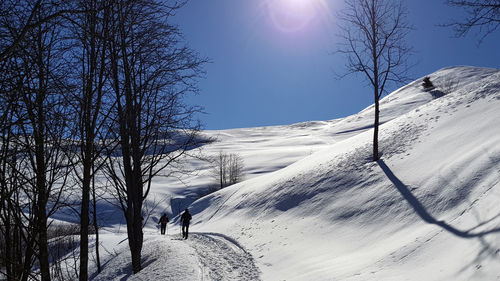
[
  {"x": 163, "y": 221},
  {"x": 185, "y": 219}
]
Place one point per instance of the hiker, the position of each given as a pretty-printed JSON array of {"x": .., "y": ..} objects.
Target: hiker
[
  {"x": 163, "y": 221},
  {"x": 185, "y": 219}
]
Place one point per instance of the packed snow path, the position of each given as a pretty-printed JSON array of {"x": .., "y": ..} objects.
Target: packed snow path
[
  {"x": 204, "y": 257},
  {"x": 222, "y": 258}
]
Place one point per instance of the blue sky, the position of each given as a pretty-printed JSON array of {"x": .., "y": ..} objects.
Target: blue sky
[{"x": 272, "y": 60}]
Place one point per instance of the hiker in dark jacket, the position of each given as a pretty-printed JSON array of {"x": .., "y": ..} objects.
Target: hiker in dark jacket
[
  {"x": 185, "y": 219},
  {"x": 163, "y": 221}
]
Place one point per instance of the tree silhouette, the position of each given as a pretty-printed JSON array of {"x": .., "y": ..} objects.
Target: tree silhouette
[{"x": 373, "y": 33}]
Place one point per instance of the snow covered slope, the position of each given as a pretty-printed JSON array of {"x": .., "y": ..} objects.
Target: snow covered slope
[
  {"x": 315, "y": 207},
  {"x": 267, "y": 149},
  {"x": 428, "y": 210}
]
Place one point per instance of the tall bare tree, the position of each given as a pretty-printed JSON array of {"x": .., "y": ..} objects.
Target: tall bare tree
[
  {"x": 373, "y": 33},
  {"x": 151, "y": 71},
  {"x": 483, "y": 15},
  {"x": 18, "y": 220},
  {"x": 16, "y": 238},
  {"x": 42, "y": 129},
  {"x": 36, "y": 139},
  {"x": 91, "y": 31}
]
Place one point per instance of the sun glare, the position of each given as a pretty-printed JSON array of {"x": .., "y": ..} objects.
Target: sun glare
[{"x": 294, "y": 15}]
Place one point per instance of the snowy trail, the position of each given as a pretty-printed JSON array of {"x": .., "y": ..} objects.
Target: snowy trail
[
  {"x": 203, "y": 257},
  {"x": 222, "y": 258}
]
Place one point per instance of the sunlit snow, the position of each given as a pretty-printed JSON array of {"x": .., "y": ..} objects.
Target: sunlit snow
[{"x": 315, "y": 207}]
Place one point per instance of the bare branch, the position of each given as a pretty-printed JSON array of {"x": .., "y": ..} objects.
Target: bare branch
[{"x": 482, "y": 15}]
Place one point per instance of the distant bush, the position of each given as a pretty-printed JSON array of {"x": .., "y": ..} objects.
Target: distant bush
[
  {"x": 66, "y": 229},
  {"x": 427, "y": 84}
]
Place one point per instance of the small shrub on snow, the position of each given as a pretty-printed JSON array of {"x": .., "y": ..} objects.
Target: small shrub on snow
[{"x": 427, "y": 84}]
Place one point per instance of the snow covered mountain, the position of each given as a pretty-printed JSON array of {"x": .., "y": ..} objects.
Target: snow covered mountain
[{"x": 315, "y": 207}]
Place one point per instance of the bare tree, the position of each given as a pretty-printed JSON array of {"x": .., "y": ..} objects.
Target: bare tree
[
  {"x": 227, "y": 169},
  {"x": 33, "y": 73},
  {"x": 41, "y": 131},
  {"x": 236, "y": 166},
  {"x": 124, "y": 48},
  {"x": 17, "y": 239},
  {"x": 483, "y": 15},
  {"x": 90, "y": 31},
  {"x": 374, "y": 33},
  {"x": 151, "y": 71}
]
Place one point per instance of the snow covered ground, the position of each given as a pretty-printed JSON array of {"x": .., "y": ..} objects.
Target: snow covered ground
[
  {"x": 205, "y": 256},
  {"x": 314, "y": 207}
]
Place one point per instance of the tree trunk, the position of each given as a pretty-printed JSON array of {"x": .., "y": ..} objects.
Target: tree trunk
[
  {"x": 134, "y": 232},
  {"x": 137, "y": 218},
  {"x": 41, "y": 169},
  {"x": 136, "y": 246},
  {"x": 221, "y": 172},
  {"x": 375, "y": 131},
  {"x": 42, "y": 215},
  {"x": 84, "y": 221},
  {"x": 96, "y": 227},
  {"x": 43, "y": 242},
  {"x": 376, "y": 85},
  {"x": 9, "y": 261}
]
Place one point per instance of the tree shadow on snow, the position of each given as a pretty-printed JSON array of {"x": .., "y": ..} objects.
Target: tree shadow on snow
[{"x": 422, "y": 212}]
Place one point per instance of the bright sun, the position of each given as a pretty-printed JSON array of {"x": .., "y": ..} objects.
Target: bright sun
[{"x": 294, "y": 15}]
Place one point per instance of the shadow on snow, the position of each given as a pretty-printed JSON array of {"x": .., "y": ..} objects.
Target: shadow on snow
[{"x": 422, "y": 212}]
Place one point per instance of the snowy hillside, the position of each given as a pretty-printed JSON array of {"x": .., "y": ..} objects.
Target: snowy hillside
[{"x": 314, "y": 207}]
